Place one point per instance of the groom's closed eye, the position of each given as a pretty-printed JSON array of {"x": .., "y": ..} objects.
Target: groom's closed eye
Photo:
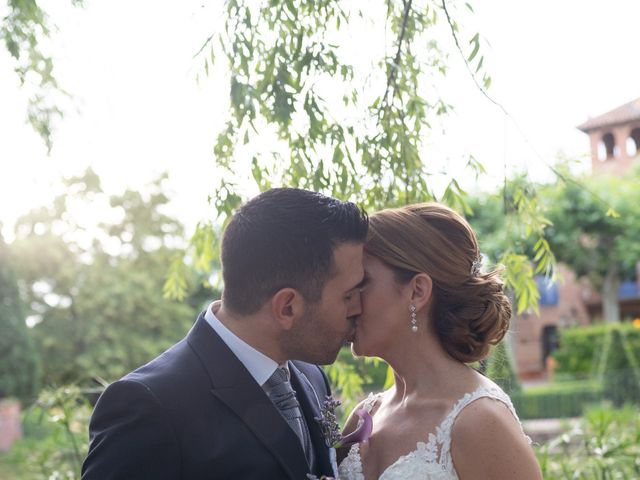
[
  {"x": 356, "y": 289},
  {"x": 351, "y": 293}
]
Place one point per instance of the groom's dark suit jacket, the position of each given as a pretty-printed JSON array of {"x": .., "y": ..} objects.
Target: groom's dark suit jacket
[{"x": 195, "y": 412}]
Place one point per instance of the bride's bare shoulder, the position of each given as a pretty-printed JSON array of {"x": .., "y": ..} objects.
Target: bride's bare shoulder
[{"x": 487, "y": 441}]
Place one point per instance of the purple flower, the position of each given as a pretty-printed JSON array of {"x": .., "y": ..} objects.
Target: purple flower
[
  {"x": 331, "y": 430},
  {"x": 361, "y": 433}
]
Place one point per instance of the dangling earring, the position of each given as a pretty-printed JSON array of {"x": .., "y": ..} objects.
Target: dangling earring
[{"x": 414, "y": 320}]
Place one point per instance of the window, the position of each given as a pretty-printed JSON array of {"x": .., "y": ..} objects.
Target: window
[
  {"x": 628, "y": 289},
  {"x": 606, "y": 147},
  {"x": 548, "y": 289},
  {"x": 633, "y": 142}
]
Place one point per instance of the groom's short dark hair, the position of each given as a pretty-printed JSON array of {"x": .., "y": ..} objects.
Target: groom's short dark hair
[{"x": 282, "y": 238}]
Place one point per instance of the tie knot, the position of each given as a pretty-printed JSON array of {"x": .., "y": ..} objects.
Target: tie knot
[
  {"x": 279, "y": 390},
  {"x": 280, "y": 376}
]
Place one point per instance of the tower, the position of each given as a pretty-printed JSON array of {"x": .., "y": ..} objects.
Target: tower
[{"x": 615, "y": 139}]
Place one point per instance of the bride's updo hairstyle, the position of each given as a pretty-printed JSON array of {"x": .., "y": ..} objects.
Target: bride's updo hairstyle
[{"x": 470, "y": 311}]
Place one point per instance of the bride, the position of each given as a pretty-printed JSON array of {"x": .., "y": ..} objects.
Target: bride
[{"x": 428, "y": 311}]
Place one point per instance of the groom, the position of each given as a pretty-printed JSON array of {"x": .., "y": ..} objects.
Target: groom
[{"x": 238, "y": 397}]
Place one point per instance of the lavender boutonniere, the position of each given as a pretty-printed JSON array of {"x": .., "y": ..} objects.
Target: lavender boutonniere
[
  {"x": 329, "y": 422},
  {"x": 331, "y": 430}
]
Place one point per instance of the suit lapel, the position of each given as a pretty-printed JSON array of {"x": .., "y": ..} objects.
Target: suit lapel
[
  {"x": 234, "y": 386},
  {"x": 310, "y": 403}
]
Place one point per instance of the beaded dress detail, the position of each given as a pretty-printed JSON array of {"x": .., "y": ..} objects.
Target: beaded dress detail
[{"x": 431, "y": 460}]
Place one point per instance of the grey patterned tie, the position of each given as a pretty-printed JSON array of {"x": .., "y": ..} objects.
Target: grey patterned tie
[{"x": 278, "y": 388}]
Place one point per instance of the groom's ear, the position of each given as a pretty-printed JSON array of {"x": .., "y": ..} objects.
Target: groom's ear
[
  {"x": 286, "y": 306},
  {"x": 422, "y": 288}
]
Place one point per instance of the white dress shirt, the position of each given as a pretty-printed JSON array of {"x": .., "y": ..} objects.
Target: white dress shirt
[{"x": 257, "y": 363}]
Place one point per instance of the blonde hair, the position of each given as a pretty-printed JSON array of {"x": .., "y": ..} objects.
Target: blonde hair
[{"x": 470, "y": 311}]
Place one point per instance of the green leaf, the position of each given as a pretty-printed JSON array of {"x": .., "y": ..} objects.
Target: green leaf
[
  {"x": 476, "y": 46},
  {"x": 611, "y": 212},
  {"x": 175, "y": 287},
  {"x": 389, "y": 379}
]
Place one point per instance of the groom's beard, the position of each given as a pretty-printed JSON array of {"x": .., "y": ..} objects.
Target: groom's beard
[{"x": 313, "y": 340}]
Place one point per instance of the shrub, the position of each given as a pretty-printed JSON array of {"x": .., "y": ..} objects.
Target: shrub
[
  {"x": 557, "y": 400},
  {"x": 596, "y": 349},
  {"x": 605, "y": 445},
  {"x": 55, "y": 441},
  {"x": 607, "y": 352},
  {"x": 621, "y": 373}
]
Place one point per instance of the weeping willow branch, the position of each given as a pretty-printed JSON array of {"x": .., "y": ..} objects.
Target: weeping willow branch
[
  {"x": 557, "y": 173},
  {"x": 396, "y": 61},
  {"x": 466, "y": 63}
]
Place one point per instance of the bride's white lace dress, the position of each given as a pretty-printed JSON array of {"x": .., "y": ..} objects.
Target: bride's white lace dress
[{"x": 431, "y": 460}]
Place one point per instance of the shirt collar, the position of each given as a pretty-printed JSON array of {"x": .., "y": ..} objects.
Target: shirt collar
[{"x": 257, "y": 363}]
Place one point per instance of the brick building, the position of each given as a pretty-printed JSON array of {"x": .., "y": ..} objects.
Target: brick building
[
  {"x": 615, "y": 139},
  {"x": 562, "y": 304},
  {"x": 615, "y": 149}
]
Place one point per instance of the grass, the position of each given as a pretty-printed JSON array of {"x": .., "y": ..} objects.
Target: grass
[{"x": 10, "y": 471}]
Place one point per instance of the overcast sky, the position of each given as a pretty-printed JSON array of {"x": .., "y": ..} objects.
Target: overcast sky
[{"x": 137, "y": 109}]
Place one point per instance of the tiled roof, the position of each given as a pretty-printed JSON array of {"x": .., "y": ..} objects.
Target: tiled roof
[{"x": 626, "y": 113}]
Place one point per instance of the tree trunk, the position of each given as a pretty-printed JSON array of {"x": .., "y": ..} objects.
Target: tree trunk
[{"x": 610, "y": 305}]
